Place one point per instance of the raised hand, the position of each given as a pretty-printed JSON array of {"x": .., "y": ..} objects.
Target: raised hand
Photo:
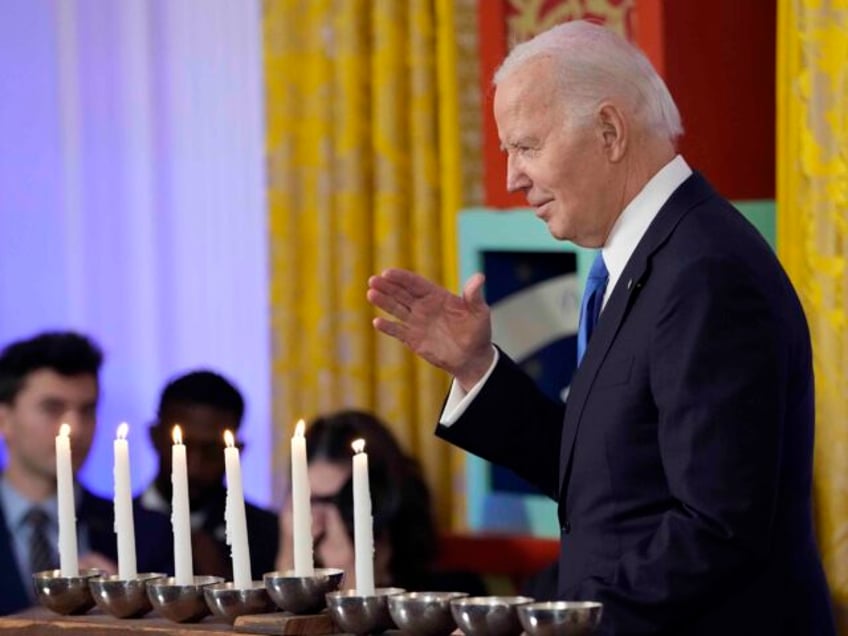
[{"x": 451, "y": 332}]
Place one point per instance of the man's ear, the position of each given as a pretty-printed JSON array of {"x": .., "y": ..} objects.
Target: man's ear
[
  {"x": 155, "y": 432},
  {"x": 4, "y": 418},
  {"x": 614, "y": 131}
]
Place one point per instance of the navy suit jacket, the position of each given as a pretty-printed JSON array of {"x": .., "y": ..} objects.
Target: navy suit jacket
[
  {"x": 682, "y": 461},
  {"x": 154, "y": 546}
]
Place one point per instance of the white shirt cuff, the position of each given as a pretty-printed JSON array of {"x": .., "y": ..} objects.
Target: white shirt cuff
[{"x": 458, "y": 400}]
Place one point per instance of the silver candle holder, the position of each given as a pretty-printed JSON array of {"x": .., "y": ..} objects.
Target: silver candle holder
[
  {"x": 229, "y": 602},
  {"x": 181, "y": 603},
  {"x": 424, "y": 613},
  {"x": 302, "y": 594},
  {"x": 488, "y": 615},
  {"x": 359, "y": 614},
  {"x": 65, "y": 594},
  {"x": 123, "y": 598},
  {"x": 560, "y": 618}
]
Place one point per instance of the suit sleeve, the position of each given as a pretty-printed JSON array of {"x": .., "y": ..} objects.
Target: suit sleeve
[
  {"x": 512, "y": 423},
  {"x": 718, "y": 377}
]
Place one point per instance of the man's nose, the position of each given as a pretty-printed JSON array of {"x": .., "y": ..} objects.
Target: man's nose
[{"x": 516, "y": 178}]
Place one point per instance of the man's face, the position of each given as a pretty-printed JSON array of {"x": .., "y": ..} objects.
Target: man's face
[
  {"x": 560, "y": 164},
  {"x": 30, "y": 423},
  {"x": 203, "y": 434}
]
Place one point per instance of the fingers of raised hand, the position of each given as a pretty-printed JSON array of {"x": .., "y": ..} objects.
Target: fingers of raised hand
[
  {"x": 391, "y": 328},
  {"x": 392, "y": 288},
  {"x": 416, "y": 286},
  {"x": 391, "y": 304}
]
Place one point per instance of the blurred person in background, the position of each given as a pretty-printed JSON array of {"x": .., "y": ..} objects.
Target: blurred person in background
[
  {"x": 205, "y": 404},
  {"x": 405, "y": 536},
  {"x": 44, "y": 381}
]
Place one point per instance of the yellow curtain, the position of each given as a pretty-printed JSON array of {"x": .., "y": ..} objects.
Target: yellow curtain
[
  {"x": 812, "y": 203},
  {"x": 365, "y": 172}
]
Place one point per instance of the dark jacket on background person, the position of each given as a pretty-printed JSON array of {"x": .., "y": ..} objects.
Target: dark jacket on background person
[
  {"x": 262, "y": 531},
  {"x": 153, "y": 539}
]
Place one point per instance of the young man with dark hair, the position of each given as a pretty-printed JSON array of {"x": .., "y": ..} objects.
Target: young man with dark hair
[
  {"x": 205, "y": 404},
  {"x": 44, "y": 381}
]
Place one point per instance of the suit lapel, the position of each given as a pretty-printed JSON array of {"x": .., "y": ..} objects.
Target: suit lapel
[{"x": 634, "y": 277}]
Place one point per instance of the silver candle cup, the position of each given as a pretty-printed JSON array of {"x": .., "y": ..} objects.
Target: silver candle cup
[
  {"x": 488, "y": 615},
  {"x": 302, "y": 594},
  {"x": 65, "y": 594},
  {"x": 229, "y": 602},
  {"x": 424, "y": 613},
  {"x": 123, "y": 598},
  {"x": 560, "y": 618},
  {"x": 181, "y": 603},
  {"x": 355, "y": 613}
]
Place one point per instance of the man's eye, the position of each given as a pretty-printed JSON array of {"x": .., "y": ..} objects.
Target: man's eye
[{"x": 53, "y": 409}]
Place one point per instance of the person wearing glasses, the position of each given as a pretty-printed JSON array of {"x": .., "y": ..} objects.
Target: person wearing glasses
[{"x": 405, "y": 534}]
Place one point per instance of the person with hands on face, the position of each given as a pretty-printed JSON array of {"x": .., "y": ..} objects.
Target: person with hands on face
[
  {"x": 405, "y": 537},
  {"x": 682, "y": 460}
]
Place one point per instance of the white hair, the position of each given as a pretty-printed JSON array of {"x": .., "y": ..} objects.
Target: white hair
[{"x": 594, "y": 64}]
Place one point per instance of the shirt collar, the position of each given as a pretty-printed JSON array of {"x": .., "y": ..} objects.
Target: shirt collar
[
  {"x": 16, "y": 506},
  {"x": 152, "y": 499},
  {"x": 635, "y": 219}
]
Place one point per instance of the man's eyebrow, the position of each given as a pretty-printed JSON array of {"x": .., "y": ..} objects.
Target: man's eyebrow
[{"x": 521, "y": 142}]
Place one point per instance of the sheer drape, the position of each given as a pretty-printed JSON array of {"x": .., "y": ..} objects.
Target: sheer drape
[{"x": 132, "y": 200}]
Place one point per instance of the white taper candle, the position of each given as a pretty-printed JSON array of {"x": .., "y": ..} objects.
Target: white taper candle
[
  {"x": 363, "y": 524},
  {"x": 180, "y": 511},
  {"x": 68, "y": 556},
  {"x": 124, "y": 525},
  {"x": 235, "y": 516},
  {"x": 301, "y": 508}
]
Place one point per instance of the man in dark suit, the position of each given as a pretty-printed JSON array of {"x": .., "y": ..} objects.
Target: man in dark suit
[
  {"x": 46, "y": 380},
  {"x": 682, "y": 461},
  {"x": 205, "y": 404}
]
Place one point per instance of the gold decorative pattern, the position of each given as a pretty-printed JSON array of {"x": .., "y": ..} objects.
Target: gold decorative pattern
[
  {"x": 365, "y": 172},
  {"x": 526, "y": 18},
  {"x": 812, "y": 202}
]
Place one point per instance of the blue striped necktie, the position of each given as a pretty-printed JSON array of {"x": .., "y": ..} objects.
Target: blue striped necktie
[
  {"x": 42, "y": 555},
  {"x": 590, "y": 307}
]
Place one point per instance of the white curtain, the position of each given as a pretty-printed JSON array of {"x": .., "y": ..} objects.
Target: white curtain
[{"x": 132, "y": 201}]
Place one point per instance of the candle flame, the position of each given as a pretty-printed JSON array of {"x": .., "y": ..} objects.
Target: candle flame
[
  {"x": 358, "y": 446},
  {"x": 177, "y": 434},
  {"x": 300, "y": 428},
  {"x": 65, "y": 429},
  {"x": 229, "y": 440},
  {"x": 123, "y": 430}
]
